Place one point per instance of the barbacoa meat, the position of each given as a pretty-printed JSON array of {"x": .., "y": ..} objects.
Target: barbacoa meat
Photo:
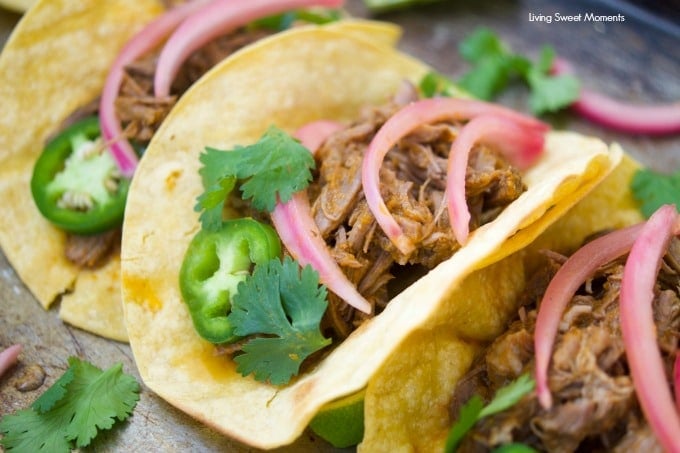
[
  {"x": 413, "y": 180},
  {"x": 136, "y": 106},
  {"x": 594, "y": 403}
]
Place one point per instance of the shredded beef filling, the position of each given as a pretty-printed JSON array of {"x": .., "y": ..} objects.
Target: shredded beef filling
[
  {"x": 413, "y": 180},
  {"x": 141, "y": 114},
  {"x": 595, "y": 407}
]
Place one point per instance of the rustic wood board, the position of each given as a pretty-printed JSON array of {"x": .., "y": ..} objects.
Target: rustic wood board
[{"x": 637, "y": 59}]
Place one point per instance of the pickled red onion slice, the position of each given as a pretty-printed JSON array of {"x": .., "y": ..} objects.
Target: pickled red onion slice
[
  {"x": 218, "y": 18},
  {"x": 657, "y": 119},
  {"x": 401, "y": 124},
  {"x": 521, "y": 145},
  {"x": 639, "y": 331},
  {"x": 562, "y": 288},
  {"x": 145, "y": 40},
  {"x": 301, "y": 236},
  {"x": 9, "y": 357}
]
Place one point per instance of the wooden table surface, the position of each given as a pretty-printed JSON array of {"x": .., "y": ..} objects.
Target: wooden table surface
[{"x": 637, "y": 60}]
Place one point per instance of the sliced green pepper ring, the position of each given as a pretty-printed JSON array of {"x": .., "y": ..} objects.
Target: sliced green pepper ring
[
  {"x": 214, "y": 264},
  {"x": 76, "y": 184}
]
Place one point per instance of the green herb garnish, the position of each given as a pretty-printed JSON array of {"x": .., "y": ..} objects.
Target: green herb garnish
[
  {"x": 436, "y": 84},
  {"x": 272, "y": 169},
  {"x": 652, "y": 190},
  {"x": 285, "y": 305},
  {"x": 474, "y": 410},
  {"x": 284, "y": 21},
  {"x": 495, "y": 66},
  {"x": 70, "y": 413}
]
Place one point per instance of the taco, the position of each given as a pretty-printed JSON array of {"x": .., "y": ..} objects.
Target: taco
[
  {"x": 61, "y": 224},
  {"x": 445, "y": 347},
  {"x": 173, "y": 282},
  {"x": 598, "y": 332}
]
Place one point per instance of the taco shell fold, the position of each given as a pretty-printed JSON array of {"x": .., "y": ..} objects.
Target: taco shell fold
[{"x": 297, "y": 77}]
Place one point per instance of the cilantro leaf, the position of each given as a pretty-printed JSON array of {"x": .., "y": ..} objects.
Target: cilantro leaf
[
  {"x": 481, "y": 44},
  {"x": 509, "y": 395},
  {"x": 652, "y": 190},
  {"x": 284, "y": 305},
  {"x": 469, "y": 414},
  {"x": 474, "y": 410},
  {"x": 549, "y": 93},
  {"x": 70, "y": 413},
  {"x": 284, "y": 21},
  {"x": 274, "y": 168},
  {"x": 495, "y": 66},
  {"x": 102, "y": 397},
  {"x": 33, "y": 432},
  {"x": 435, "y": 84}
]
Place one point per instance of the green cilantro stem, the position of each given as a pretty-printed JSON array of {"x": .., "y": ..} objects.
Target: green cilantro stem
[{"x": 474, "y": 410}]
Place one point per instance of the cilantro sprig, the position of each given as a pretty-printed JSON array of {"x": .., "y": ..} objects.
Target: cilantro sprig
[
  {"x": 273, "y": 168},
  {"x": 474, "y": 410},
  {"x": 283, "y": 306},
  {"x": 652, "y": 190},
  {"x": 494, "y": 66},
  {"x": 83, "y": 401}
]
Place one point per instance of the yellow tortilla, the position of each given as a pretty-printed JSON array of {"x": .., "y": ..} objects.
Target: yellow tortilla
[
  {"x": 302, "y": 76},
  {"x": 55, "y": 61}
]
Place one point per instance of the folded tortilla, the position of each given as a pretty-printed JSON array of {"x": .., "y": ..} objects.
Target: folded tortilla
[
  {"x": 56, "y": 61},
  {"x": 408, "y": 399},
  {"x": 304, "y": 75}
]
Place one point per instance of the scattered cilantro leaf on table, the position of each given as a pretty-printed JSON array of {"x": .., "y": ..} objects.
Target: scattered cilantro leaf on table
[
  {"x": 494, "y": 66},
  {"x": 652, "y": 190},
  {"x": 284, "y": 304},
  {"x": 71, "y": 412},
  {"x": 274, "y": 168},
  {"x": 474, "y": 410}
]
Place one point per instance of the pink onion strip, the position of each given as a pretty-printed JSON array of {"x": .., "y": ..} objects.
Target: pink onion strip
[
  {"x": 522, "y": 146},
  {"x": 144, "y": 41},
  {"x": 301, "y": 236},
  {"x": 218, "y": 18},
  {"x": 658, "y": 119},
  {"x": 562, "y": 288},
  {"x": 639, "y": 331},
  {"x": 9, "y": 357},
  {"x": 401, "y": 124}
]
